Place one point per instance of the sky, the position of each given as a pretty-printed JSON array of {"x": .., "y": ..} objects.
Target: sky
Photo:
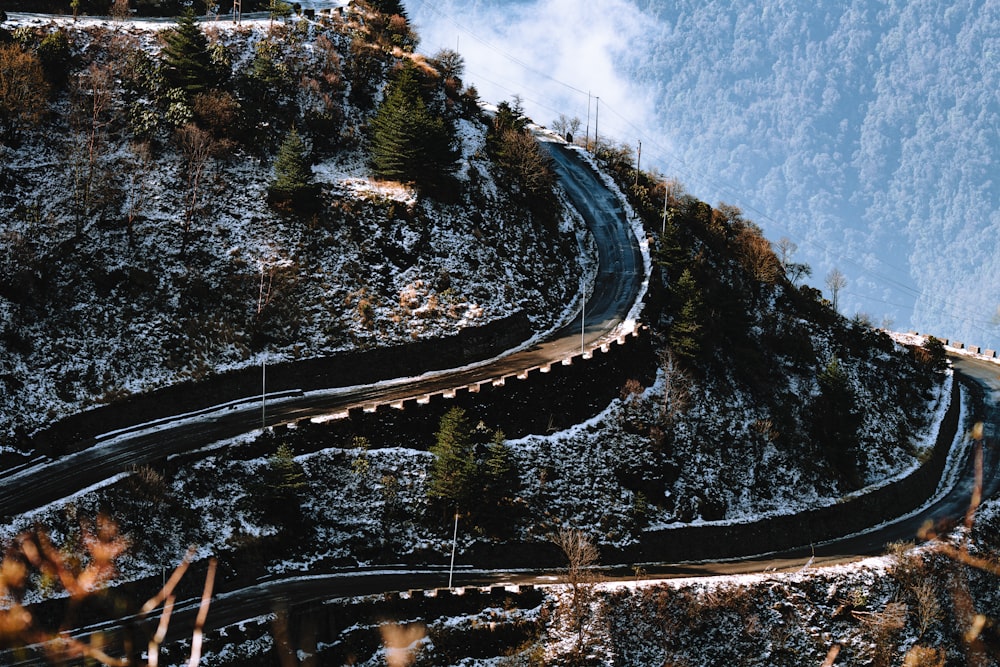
[{"x": 868, "y": 133}]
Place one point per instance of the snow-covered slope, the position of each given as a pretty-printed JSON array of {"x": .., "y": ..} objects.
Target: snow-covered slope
[{"x": 153, "y": 279}]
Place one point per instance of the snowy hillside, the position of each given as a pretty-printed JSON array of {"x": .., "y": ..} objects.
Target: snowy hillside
[{"x": 140, "y": 249}]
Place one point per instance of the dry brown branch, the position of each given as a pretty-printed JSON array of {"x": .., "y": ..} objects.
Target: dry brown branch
[
  {"x": 964, "y": 557},
  {"x": 923, "y": 656},
  {"x": 582, "y": 556},
  {"x": 161, "y": 632},
  {"x": 168, "y": 588},
  {"x": 401, "y": 643},
  {"x": 199, "y": 625}
]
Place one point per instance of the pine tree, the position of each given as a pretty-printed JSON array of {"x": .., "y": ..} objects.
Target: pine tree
[
  {"x": 669, "y": 252},
  {"x": 286, "y": 474},
  {"x": 279, "y": 490},
  {"x": 501, "y": 483},
  {"x": 390, "y": 7},
  {"x": 188, "y": 63},
  {"x": 519, "y": 156},
  {"x": 292, "y": 183},
  {"x": 835, "y": 420},
  {"x": 937, "y": 357},
  {"x": 410, "y": 144},
  {"x": 454, "y": 471},
  {"x": 687, "y": 326}
]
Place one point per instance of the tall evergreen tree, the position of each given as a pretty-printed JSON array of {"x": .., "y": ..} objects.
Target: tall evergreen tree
[
  {"x": 292, "y": 182},
  {"x": 188, "y": 63},
  {"x": 687, "y": 325},
  {"x": 409, "y": 143},
  {"x": 836, "y": 420},
  {"x": 278, "y": 492},
  {"x": 500, "y": 485},
  {"x": 389, "y": 7},
  {"x": 454, "y": 471},
  {"x": 516, "y": 152}
]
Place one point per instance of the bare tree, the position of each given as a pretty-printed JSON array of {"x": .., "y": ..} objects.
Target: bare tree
[
  {"x": 835, "y": 281},
  {"x": 677, "y": 386},
  {"x": 91, "y": 117},
  {"x": 566, "y": 126},
  {"x": 197, "y": 146},
  {"x": 785, "y": 248},
  {"x": 582, "y": 556},
  {"x": 794, "y": 271},
  {"x": 120, "y": 10},
  {"x": 136, "y": 192}
]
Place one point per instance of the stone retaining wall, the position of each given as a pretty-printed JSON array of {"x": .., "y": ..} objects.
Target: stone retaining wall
[{"x": 338, "y": 370}]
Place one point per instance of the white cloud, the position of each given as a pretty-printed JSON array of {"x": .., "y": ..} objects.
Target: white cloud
[{"x": 550, "y": 52}]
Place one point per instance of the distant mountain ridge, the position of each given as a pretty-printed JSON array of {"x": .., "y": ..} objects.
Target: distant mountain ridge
[{"x": 864, "y": 132}]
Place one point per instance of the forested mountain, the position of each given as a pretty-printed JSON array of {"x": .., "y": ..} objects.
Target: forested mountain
[
  {"x": 864, "y": 131},
  {"x": 205, "y": 196}
]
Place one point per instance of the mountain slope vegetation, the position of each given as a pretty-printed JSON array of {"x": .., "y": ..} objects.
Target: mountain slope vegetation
[
  {"x": 156, "y": 237},
  {"x": 174, "y": 207},
  {"x": 180, "y": 201}
]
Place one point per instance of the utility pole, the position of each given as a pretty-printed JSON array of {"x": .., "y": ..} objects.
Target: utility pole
[
  {"x": 262, "y": 298},
  {"x": 583, "y": 325},
  {"x": 588, "y": 122},
  {"x": 597, "y": 119},
  {"x": 663, "y": 229},
  {"x": 454, "y": 540},
  {"x": 638, "y": 161}
]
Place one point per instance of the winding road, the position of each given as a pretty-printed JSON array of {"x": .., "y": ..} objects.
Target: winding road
[
  {"x": 621, "y": 273},
  {"x": 618, "y": 285}
]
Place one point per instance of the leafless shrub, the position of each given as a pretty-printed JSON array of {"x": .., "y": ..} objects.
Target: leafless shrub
[
  {"x": 676, "y": 388},
  {"x": 756, "y": 256},
  {"x": 928, "y": 609},
  {"x": 632, "y": 387},
  {"x": 729, "y": 598},
  {"x": 23, "y": 89},
  {"x": 766, "y": 428},
  {"x": 884, "y": 628},
  {"x": 582, "y": 556},
  {"x": 197, "y": 147},
  {"x": 916, "y": 585},
  {"x": 120, "y": 10},
  {"x": 147, "y": 485},
  {"x": 366, "y": 312},
  {"x": 218, "y": 111}
]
